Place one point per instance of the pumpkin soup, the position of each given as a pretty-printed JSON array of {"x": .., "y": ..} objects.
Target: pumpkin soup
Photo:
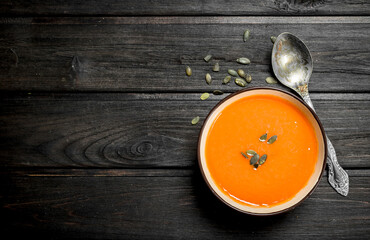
[{"x": 290, "y": 159}]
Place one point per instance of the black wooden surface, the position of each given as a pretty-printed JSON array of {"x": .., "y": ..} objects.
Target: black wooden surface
[
  {"x": 178, "y": 7},
  {"x": 95, "y": 111}
]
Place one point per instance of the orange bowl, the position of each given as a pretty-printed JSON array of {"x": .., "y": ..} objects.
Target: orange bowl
[{"x": 294, "y": 165}]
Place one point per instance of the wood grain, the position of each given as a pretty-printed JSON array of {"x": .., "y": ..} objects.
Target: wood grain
[
  {"x": 135, "y": 54},
  {"x": 91, "y": 130},
  {"x": 176, "y": 7},
  {"x": 167, "y": 207}
]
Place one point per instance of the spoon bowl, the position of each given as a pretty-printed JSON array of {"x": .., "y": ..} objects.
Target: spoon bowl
[{"x": 292, "y": 62}]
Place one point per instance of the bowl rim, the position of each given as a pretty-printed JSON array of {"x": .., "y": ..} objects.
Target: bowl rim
[{"x": 273, "y": 89}]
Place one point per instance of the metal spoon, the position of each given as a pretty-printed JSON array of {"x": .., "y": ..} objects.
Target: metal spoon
[{"x": 292, "y": 65}]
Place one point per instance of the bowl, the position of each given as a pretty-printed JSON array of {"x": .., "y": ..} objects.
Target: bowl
[{"x": 293, "y": 165}]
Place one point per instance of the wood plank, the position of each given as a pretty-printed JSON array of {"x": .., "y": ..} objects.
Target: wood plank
[
  {"x": 168, "y": 207},
  {"x": 149, "y": 54},
  {"x": 129, "y": 130},
  {"x": 176, "y": 7},
  {"x": 130, "y": 172}
]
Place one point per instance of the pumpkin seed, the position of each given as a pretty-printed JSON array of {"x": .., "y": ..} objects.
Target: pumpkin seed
[
  {"x": 204, "y": 96},
  {"x": 218, "y": 92},
  {"x": 251, "y": 152},
  {"x": 208, "y": 78},
  {"x": 248, "y": 78},
  {"x": 255, "y": 165},
  {"x": 241, "y": 73},
  {"x": 263, "y": 137},
  {"x": 207, "y": 58},
  {"x": 246, "y": 35},
  {"x": 216, "y": 67},
  {"x": 195, "y": 120},
  {"x": 188, "y": 71},
  {"x": 226, "y": 80},
  {"x": 273, "y": 39},
  {"x": 244, "y": 155},
  {"x": 232, "y": 72},
  {"x": 240, "y": 82},
  {"x": 271, "y": 80},
  {"x": 243, "y": 60},
  {"x": 272, "y": 139},
  {"x": 262, "y": 159},
  {"x": 254, "y": 159}
]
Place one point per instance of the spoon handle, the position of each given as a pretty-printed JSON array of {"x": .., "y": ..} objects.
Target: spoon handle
[{"x": 337, "y": 177}]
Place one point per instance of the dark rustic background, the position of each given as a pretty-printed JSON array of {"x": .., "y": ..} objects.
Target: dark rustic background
[{"x": 95, "y": 111}]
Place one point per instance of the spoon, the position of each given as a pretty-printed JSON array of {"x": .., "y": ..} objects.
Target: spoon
[{"x": 292, "y": 65}]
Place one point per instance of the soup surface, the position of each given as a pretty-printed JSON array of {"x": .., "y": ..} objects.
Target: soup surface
[{"x": 290, "y": 159}]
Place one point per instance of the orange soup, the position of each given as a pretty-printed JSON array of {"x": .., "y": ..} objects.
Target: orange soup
[{"x": 290, "y": 159}]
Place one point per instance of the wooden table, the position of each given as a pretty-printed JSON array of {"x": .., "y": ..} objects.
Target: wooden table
[{"x": 96, "y": 139}]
